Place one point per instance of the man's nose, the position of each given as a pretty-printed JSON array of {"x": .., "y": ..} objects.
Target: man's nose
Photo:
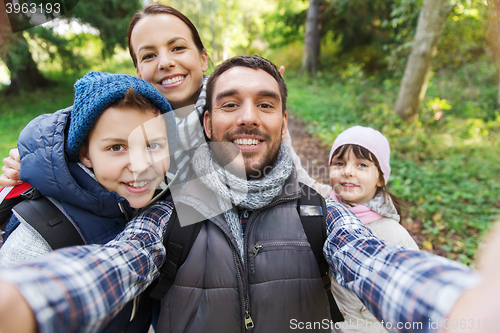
[{"x": 248, "y": 116}]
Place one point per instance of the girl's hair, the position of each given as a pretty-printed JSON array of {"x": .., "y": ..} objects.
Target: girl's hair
[
  {"x": 162, "y": 9},
  {"x": 363, "y": 153}
]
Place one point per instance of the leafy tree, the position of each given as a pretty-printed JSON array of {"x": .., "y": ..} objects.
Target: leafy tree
[
  {"x": 418, "y": 69},
  {"x": 110, "y": 17}
]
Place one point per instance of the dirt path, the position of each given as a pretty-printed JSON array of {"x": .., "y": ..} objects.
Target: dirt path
[{"x": 312, "y": 151}]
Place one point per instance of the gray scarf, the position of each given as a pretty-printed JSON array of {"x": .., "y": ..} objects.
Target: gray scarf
[
  {"x": 382, "y": 204},
  {"x": 232, "y": 191},
  {"x": 190, "y": 133}
]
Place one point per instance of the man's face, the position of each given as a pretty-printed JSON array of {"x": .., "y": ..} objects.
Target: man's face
[{"x": 247, "y": 114}]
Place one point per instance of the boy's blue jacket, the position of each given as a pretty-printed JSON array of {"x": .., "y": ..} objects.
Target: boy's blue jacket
[{"x": 95, "y": 210}]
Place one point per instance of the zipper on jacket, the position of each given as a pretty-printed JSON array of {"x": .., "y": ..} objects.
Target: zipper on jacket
[
  {"x": 243, "y": 294},
  {"x": 249, "y": 324},
  {"x": 278, "y": 245},
  {"x": 275, "y": 245},
  {"x": 248, "y": 320}
]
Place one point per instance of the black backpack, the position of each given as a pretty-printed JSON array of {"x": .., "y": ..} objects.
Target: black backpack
[
  {"x": 179, "y": 240},
  {"x": 38, "y": 211},
  {"x": 58, "y": 231}
]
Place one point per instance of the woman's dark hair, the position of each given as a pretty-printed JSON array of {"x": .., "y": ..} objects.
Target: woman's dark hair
[
  {"x": 363, "y": 153},
  {"x": 162, "y": 9}
]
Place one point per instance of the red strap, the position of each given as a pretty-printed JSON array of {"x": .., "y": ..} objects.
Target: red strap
[{"x": 17, "y": 190}]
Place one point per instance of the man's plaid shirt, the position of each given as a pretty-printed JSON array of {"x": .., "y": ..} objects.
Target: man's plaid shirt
[{"x": 78, "y": 289}]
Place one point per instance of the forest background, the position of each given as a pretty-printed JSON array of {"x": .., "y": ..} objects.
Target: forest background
[{"x": 345, "y": 65}]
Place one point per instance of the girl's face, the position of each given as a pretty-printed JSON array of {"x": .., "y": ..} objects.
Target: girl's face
[
  {"x": 354, "y": 179},
  {"x": 168, "y": 58}
]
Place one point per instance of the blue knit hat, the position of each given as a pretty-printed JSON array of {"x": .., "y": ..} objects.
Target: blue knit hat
[{"x": 95, "y": 92}]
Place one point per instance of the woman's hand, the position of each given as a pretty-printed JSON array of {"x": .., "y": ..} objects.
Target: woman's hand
[{"x": 11, "y": 169}]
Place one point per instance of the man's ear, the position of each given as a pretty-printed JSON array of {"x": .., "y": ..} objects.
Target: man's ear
[
  {"x": 83, "y": 155},
  {"x": 284, "y": 127},
  {"x": 207, "y": 124}
]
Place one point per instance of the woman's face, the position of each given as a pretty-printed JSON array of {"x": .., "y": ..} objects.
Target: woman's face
[{"x": 168, "y": 58}]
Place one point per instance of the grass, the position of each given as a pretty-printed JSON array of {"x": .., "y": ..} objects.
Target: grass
[{"x": 445, "y": 165}]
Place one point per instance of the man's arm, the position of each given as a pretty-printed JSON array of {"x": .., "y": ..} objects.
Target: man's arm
[
  {"x": 412, "y": 291},
  {"x": 15, "y": 314},
  {"x": 79, "y": 289},
  {"x": 478, "y": 309}
]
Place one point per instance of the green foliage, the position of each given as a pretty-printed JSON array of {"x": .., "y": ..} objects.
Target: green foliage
[
  {"x": 52, "y": 51},
  {"x": 17, "y": 111},
  {"x": 286, "y": 24},
  {"x": 464, "y": 35},
  {"x": 445, "y": 165},
  {"x": 110, "y": 17}
]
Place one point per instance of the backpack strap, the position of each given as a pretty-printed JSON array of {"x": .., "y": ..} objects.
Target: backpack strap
[
  {"x": 176, "y": 252},
  {"x": 312, "y": 211},
  {"x": 48, "y": 220}
]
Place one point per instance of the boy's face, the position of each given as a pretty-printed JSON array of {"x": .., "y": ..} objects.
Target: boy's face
[{"x": 128, "y": 151}]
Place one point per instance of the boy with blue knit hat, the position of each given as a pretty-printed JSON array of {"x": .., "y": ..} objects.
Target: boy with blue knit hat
[{"x": 106, "y": 155}]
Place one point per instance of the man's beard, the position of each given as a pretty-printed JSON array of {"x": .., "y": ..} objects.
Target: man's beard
[{"x": 231, "y": 158}]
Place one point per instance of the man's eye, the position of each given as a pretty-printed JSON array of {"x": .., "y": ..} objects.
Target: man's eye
[
  {"x": 116, "y": 148},
  {"x": 265, "y": 106},
  {"x": 230, "y": 105}
]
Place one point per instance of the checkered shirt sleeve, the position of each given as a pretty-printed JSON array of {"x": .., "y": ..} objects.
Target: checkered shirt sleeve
[
  {"x": 79, "y": 289},
  {"x": 411, "y": 291}
]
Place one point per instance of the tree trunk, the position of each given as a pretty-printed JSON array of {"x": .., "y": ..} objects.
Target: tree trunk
[
  {"x": 418, "y": 69},
  {"x": 494, "y": 36},
  {"x": 310, "y": 58},
  {"x": 23, "y": 71}
]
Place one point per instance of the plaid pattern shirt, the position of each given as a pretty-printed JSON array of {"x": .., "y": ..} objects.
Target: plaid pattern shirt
[{"x": 79, "y": 289}]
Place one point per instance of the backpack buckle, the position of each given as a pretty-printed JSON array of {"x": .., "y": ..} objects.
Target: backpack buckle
[{"x": 31, "y": 194}]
